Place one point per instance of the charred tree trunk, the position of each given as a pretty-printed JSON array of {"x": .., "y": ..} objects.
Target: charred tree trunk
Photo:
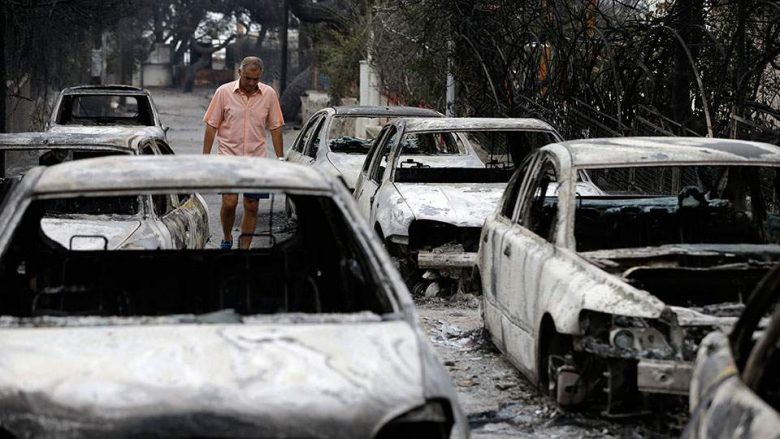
[{"x": 689, "y": 15}]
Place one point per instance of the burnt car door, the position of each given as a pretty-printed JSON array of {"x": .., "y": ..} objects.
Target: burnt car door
[
  {"x": 296, "y": 153},
  {"x": 184, "y": 217},
  {"x": 374, "y": 170},
  {"x": 493, "y": 252},
  {"x": 525, "y": 249}
]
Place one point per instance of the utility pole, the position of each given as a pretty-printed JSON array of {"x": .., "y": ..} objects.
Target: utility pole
[{"x": 285, "y": 25}]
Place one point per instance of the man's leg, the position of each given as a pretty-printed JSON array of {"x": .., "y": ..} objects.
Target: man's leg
[
  {"x": 227, "y": 215},
  {"x": 249, "y": 222}
]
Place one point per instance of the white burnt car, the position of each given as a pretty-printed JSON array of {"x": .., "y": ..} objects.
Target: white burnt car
[
  {"x": 337, "y": 139},
  {"x": 607, "y": 297},
  {"x": 311, "y": 333},
  {"x": 735, "y": 390},
  {"x": 427, "y": 185},
  {"x": 145, "y": 221},
  {"x": 103, "y": 108}
]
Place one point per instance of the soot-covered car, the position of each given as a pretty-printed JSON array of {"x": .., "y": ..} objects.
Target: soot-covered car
[
  {"x": 145, "y": 221},
  {"x": 605, "y": 297},
  {"x": 427, "y": 186},
  {"x": 337, "y": 139},
  {"x": 105, "y": 109},
  {"x": 310, "y": 334}
]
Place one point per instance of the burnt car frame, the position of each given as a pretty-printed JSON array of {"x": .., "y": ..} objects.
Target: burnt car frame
[
  {"x": 427, "y": 186},
  {"x": 337, "y": 139},
  {"x": 735, "y": 391},
  {"x": 606, "y": 298},
  {"x": 103, "y": 109},
  {"x": 162, "y": 221},
  {"x": 312, "y": 334}
]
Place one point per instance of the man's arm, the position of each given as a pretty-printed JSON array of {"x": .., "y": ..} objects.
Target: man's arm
[
  {"x": 208, "y": 139},
  {"x": 278, "y": 140}
]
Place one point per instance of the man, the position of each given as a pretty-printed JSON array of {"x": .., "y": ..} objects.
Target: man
[{"x": 238, "y": 115}]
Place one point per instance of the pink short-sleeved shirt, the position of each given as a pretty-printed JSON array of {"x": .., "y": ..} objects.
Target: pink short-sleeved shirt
[{"x": 241, "y": 120}]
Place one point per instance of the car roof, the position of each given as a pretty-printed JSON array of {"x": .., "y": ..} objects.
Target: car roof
[
  {"x": 193, "y": 172},
  {"x": 104, "y": 88},
  {"x": 663, "y": 150},
  {"x": 394, "y": 111},
  {"x": 475, "y": 124},
  {"x": 119, "y": 138}
]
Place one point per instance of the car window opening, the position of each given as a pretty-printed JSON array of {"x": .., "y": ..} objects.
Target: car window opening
[
  {"x": 316, "y": 267},
  {"x": 705, "y": 205}
]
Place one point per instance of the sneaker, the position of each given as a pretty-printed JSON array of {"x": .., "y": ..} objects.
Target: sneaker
[{"x": 225, "y": 245}]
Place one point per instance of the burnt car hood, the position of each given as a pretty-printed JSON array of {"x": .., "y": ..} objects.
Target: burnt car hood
[
  {"x": 348, "y": 165},
  {"x": 460, "y": 204},
  {"x": 259, "y": 380}
]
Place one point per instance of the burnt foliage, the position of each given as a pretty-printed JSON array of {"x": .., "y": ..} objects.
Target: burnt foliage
[{"x": 593, "y": 68}]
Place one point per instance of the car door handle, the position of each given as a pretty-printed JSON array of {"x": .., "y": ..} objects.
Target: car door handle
[
  {"x": 507, "y": 251},
  {"x": 485, "y": 238}
]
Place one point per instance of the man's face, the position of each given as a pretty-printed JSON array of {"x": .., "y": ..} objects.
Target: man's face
[{"x": 248, "y": 78}]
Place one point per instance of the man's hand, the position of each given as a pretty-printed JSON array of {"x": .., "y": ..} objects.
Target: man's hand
[
  {"x": 208, "y": 139},
  {"x": 278, "y": 140}
]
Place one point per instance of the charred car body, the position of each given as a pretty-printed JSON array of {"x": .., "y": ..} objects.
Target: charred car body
[
  {"x": 608, "y": 296},
  {"x": 735, "y": 390},
  {"x": 337, "y": 139},
  {"x": 307, "y": 335},
  {"x": 162, "y": 221},
  {"x": 99, "y": 108},
  {"x": 427, "y": 185}
]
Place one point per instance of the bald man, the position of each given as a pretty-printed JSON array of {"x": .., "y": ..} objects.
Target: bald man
[{"x": 239, "y": 115}]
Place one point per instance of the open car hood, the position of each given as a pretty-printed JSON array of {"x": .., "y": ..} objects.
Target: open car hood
[
  {"x": 460, "y": 204},
  {"x": 259, "y": 380}
]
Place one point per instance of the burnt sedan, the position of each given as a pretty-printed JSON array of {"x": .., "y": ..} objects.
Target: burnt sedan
[
  {"x": 605, "y": 298},
  {"x": 106, "y": 109},
  {"x": 145, "y": 221},
  {"x": 337, "y": 139},
  {"x": 427, "y": 186},
  {"x": 309, "y": 334}
]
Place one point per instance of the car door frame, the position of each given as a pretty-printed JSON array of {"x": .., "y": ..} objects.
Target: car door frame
[
  {"x": 519, "y": 292},
  {"x": 367, "y": 189},
  {"x": 296, "y": 152}
]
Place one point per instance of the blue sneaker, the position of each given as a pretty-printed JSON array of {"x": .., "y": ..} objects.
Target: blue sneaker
[{"x": 225, "y": 245}]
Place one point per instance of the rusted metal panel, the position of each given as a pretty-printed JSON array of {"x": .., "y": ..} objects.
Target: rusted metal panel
[{"x": 657, "y": 376}]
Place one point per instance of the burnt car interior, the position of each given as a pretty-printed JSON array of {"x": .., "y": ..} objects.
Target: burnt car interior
[
  {"x": 678, "y": 205},
  {"x": 318, "y": 266},
  {"x": 93, "y": 109},
  {"x": 649, "y": 207}
]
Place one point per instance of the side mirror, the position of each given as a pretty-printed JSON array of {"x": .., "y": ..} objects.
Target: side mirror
[{"x": 165, "y": 129}]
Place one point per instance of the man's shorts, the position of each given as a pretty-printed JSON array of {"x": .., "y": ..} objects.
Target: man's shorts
[
  {"x": 254, "y": 196},
  {"x": 257, "y": 196}
]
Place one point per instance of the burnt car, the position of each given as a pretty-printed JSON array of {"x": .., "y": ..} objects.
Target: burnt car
[
  {"x": 309, "y": 334},
  {"x": 103, "y": 108},
  {"x": 337, "y": 139},
  {"x": 605, "y": 298},
  {"x": 160, "y": 221},
  {"x": 735, "y": 390},
  {"x": 427, "y": 186}
]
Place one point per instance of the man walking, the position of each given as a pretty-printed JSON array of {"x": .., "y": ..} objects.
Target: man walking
[{"x": 239, "y": 115}]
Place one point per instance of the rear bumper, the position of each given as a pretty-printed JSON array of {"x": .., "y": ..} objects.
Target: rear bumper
[{"x": 664, "y": 376}]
